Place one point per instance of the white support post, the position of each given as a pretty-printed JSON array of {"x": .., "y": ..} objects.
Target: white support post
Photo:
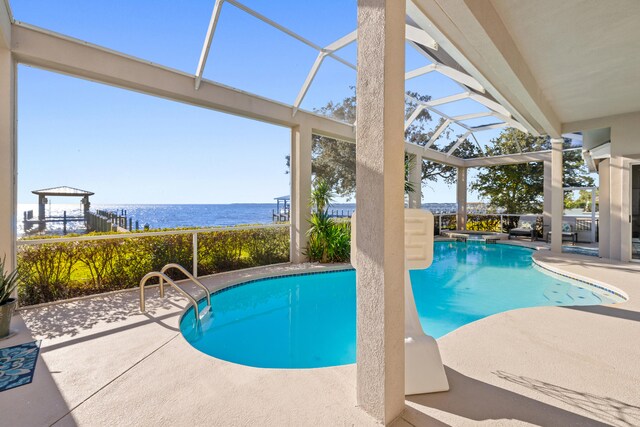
[
  {"x": 546, "y": 204},
  {"x": 380, "y": 202},
  {"x": 557, "y": 194},
  {"x": 415, "y": 178},
  {"x": 461, "y": 199},
  {"x": 593, "y": 215},
  {"x": 604, "y": 219},
  {"x": 194, "y": 243},
  {"x": 8, "y": 154},
  {"x": 618, "y": 215},
  {"x": 301, "y": 139}
]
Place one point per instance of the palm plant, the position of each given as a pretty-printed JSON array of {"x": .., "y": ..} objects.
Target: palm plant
[
  {"x": 328, "y": 241},
  {"x": 409, "y": 164},
  {"x": 8, "y": 282},
  {"x": 321, "y": 195}
]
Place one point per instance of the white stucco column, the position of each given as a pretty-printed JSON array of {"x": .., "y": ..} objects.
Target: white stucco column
[
  {"x": 300, "y": 190},
  {"x": 615, "y": 229},
  {"x": 557, "y": 194},
  {"x": 604, "y": 219},
  {"x": 8, "y": 162},
  {"x": 546, "y": 204},
  {"x": 618, "y": 208},
  {"x": 380, "y": 204},
  {"x": 461, "y": 198},
  {"x": 415, "y": 178}
]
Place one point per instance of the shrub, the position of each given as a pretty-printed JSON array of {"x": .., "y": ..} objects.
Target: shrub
[
  {"x": 55, "y": 271},
  {"x": 268, "y": 246},
  {"x": 220, "y": 251}
]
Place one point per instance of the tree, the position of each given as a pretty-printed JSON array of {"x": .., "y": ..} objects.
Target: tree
[
  {"x": 335, "y": 161},
  {"x": 519, "y": 188},
  {"x": 582, "y": 202}
]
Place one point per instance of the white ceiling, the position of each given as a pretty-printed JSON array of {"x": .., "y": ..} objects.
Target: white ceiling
[{"x": 583, "y": 54}]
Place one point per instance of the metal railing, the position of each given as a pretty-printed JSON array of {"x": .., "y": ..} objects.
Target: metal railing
[
  {"x": 503, "y": 222},
  {"x": 194, "y": 232},
  {"x": 163, "y": 276},
  {"x": 189, "y": 276}
]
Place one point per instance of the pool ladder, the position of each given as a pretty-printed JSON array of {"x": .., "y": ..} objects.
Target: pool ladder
[{"x": 164, "y": 278}]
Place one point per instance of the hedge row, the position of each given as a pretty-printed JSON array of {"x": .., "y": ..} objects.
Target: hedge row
[{"x": 55, "y": 271}]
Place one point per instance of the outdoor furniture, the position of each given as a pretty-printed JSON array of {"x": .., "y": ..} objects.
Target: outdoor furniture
[
  {"x": 526, "y": 227},
  {"x": 567, "y": 234}
]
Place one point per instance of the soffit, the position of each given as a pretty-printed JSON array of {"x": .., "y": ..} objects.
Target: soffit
[{"x": 583, "y": 54}]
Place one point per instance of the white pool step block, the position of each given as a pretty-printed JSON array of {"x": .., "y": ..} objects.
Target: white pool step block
[{"x": 424, "y": 371}]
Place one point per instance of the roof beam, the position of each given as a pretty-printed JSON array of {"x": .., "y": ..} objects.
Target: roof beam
[
  {"x": 473, "y": 116},
  {"x": 510, "y": 121},
  {"x": 44, "y": 49},
  {"x": 336, "y": 45},
  {"x": 508, "y": 159},
  {"x": 458, "y": 142},
  {"x": 437, "y": 133},
  {"x": 432, "y": 155},
  {"x": 420, "y": 71},
  {"x": 492, "y": 105},
  {"x": 419, "y": 109},
  {"x": 418, "y": 35},
  {"x": 488, "y": 127},
  {"x": 459, "y": 77},
  {"x": 452, "y": 73},
  {"x": 307, "y": 82},
  {"x": 473, "y": 135},
  {"x": 447, "y": 99},
  {"x": 342, "y": 42},
  {"x": 473, "y": 34},
  {"x": 287, "y": 31},
  {"x": 215, "y": 14}
]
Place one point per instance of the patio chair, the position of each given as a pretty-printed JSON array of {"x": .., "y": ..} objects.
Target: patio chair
[
  {"x": 567, "y": 234},
  {"x": 526, "y": 227}
]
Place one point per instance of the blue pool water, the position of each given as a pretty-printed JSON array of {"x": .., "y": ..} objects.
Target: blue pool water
[{"x": 309, "y": 321}]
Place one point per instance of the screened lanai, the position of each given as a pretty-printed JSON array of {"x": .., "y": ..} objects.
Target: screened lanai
[
  {"x": 463, "y": 114},
  {"x": 468, "y": 65}
]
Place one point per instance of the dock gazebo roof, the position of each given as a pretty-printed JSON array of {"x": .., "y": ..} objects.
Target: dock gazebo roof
[{"x": 63, "y": 191}]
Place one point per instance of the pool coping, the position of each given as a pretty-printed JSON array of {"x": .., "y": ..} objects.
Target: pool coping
[{"x": 333, "y": 268}]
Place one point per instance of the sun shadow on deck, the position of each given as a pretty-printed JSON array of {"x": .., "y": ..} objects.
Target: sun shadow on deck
[
  {"x": 69, "y": 319},
  {"x": 609, "y": 311},
  {"x": 611, "y": 411},
  {"x": 479, "y": 401}
]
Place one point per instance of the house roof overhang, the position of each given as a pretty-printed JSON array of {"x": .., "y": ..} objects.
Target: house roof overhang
[{"x": 549, "y": 63}]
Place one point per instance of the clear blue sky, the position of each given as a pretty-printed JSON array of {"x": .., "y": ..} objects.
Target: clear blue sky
[{"x": 133, "y": 148}]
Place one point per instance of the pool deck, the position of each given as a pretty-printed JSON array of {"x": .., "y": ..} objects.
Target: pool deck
[{"x": 104, "y": 363}]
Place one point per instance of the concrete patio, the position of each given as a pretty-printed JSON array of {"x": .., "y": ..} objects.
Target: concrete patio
[{"x": 104, "y": 363}]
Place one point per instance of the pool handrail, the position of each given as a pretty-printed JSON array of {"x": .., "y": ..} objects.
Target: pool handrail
[
  {"x": 163, "y": 276},
  {"x": 189, "y": 276}
]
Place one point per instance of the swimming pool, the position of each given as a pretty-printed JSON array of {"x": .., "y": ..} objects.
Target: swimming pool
[{"x": 309, "y": 321}]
